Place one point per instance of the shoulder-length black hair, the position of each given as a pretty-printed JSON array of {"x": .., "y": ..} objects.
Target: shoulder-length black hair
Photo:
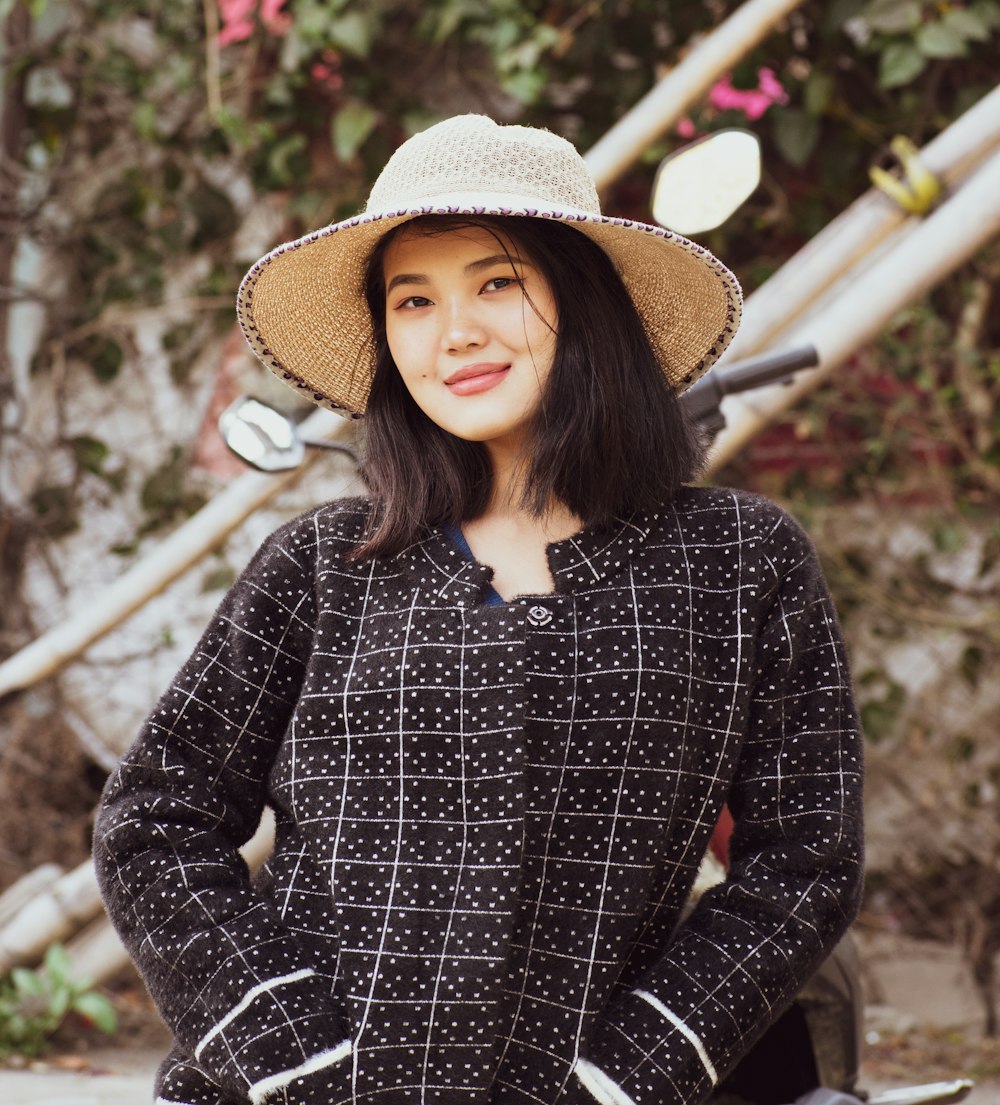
[{"x": 610, "y": 437}]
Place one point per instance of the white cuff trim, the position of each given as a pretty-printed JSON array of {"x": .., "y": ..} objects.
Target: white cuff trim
[
  {"x": 259, "y": 1091},
  {"x": 260, "y": 988},
  {"x": 601, "y": 1087},
  {"x": 683, "y": 1029}
]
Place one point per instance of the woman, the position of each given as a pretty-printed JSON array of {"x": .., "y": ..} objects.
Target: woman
[{"x": 497, "y": 706}]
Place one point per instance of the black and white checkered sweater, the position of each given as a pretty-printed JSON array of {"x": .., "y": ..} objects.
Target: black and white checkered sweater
[{"x": 489, "y": 817}]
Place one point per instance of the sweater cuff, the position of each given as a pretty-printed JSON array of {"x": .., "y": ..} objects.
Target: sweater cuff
[
  {"x": 284, "y": 1035},
  {"x": 645, "y": 1054}
]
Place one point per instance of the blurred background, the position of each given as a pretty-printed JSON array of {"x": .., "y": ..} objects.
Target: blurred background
[{"x": 150, "y": 153}]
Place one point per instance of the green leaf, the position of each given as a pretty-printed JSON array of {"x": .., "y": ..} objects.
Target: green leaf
[
  {"x": 353, "y": 33},
  {"x": 525, "y": 85},
  {"x": 97, "y": 1009},
  {"x": 57, "y": 963},
  {"x": 899, "y": 64},
  {"x": 938, "y": 40},
  {"x": 818, "y": 92},
  {"x": 970, "y": 25},
  {"x": 90, "y": 453},
  {"x": 795, "y": 134},
  {"x": 59, "y": 1003},
  {"x": 449, "y": 19},
  {"x": 282, "y": 155},
  {"x": 144, "y": 118},
  {"x": 103, "y": 355},
  {"x": 28, "y": 983},
  {"x": 351, "y": 126},
  {"x": 988, "y": 11},
  {"x": 893, "y": 16}
]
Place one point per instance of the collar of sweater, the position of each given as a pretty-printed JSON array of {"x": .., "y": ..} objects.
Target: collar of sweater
[{"x": 593, "y": 554}]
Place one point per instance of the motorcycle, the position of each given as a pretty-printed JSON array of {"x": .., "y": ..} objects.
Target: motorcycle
[{"x": 812, "y": 1054}]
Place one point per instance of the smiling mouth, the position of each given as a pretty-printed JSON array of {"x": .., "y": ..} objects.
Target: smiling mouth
[{"x": 474, "y": 378}]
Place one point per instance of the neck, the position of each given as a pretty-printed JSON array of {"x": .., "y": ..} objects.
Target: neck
[{"x": 556, "y": 522}]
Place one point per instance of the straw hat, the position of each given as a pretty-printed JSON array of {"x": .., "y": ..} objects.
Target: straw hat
[{"x": 303, "y": 310}]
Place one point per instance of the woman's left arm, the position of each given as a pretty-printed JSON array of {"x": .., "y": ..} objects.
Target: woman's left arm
[{"x": 795, "y": 878}]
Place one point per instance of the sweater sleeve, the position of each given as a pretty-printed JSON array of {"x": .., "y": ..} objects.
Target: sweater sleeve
[
  {"x": 795, "y": 878},
  {"x": 227, "y": 975}
]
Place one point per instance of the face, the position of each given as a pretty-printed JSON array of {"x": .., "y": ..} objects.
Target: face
[{"x": 471, "y": 330}]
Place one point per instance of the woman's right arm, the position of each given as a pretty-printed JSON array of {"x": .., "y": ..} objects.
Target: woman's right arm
[{"x": 227, "y": 975}]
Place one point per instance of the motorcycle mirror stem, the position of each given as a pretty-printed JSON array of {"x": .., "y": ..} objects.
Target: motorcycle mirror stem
[
  {"x": 268, "y": 440},
  {"x": 698, "y": 187}
]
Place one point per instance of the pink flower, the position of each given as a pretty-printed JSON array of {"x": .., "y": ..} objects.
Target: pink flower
[
  {"x": 273, "y": 18},
  {"x": 752, "y": 102},
  {"x": 685, "y": 128},
  {"x": 237, "y": 19},
  {"x": 237, "y": 24}
]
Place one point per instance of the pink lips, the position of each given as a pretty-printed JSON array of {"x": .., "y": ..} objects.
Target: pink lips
[{"x": 474, "y": 378}]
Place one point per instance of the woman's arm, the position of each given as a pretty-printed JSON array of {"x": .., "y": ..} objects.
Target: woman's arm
[
  {"x": 796, "y": 863},
  {"x": 227, "y": 975}
]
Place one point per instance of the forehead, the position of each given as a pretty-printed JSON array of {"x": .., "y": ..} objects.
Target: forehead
[{"x": 412, "y": 247}]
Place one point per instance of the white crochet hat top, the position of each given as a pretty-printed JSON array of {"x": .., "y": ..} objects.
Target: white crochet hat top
[{"x": 472, "y": 154}]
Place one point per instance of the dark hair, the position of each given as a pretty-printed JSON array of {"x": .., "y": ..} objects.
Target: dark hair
[{"x": 610, "y": 436}]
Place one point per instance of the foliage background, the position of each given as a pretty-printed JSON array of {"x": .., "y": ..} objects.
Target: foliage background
[{"x": 148, "y": 156}]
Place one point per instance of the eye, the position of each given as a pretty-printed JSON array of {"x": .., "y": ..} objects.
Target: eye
[
  {"x": 499, "y": 283},
  {"x": 413, "y": 302}
]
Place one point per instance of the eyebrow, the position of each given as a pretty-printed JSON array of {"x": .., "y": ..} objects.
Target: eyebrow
[{"x": 470, "y": 269}]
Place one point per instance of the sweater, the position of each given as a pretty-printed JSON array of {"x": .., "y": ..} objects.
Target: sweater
[{"x": 489, "y": 817}]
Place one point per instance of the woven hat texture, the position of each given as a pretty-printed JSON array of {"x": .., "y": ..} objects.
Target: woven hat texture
[{"x": 303, "y": 311}]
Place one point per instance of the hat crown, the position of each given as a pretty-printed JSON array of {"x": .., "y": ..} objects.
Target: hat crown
[{"x": 472, "y": 154}]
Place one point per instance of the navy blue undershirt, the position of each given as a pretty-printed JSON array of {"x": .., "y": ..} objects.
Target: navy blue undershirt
[{"x": 491, "y": 597}]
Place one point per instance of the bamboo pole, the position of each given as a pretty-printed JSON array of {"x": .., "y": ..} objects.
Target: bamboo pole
[
  {"x": 170, "y": 559},
  {"x": 50, "y": 917},
  {"x": 686, "y": 84},
  {"x": 864, "y": 306},
  {"x": 71, "y": 911},
  {"x": 27, "y": 888},
  {"x": 854, "y": 237}
]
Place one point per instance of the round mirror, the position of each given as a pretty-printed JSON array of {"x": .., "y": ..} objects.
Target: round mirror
[
  {"x": 700, "y": 185},
  {"x": 261, "y": 436}
]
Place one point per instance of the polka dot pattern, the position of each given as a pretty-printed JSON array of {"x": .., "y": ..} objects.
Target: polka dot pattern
[{"x": 489, "y": 817}]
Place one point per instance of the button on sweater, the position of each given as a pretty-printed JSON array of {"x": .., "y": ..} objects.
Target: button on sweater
[{"x": 489, "y": 817}]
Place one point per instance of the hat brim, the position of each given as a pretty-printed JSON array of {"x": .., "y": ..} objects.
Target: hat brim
[{"x": 303, "y": 312}]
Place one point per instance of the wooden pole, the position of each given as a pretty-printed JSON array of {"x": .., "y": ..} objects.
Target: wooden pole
[
  {"x": 70, "y": 911},
  {"x": 171, "y": 558},
  {"x": 849, "y": 242},
  {"x": 686, "y": 84},
  {"x": 49, "y": 918},
  {"x": 865, "y": 305}
]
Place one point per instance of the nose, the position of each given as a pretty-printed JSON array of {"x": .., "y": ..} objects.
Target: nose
[{"x": 462, "y": 330}]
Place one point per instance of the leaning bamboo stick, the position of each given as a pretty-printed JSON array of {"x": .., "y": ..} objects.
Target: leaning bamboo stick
[
  {"x": 670, "y": 99},
  {"x": 852, "y": 240},
  {"x": 50, "y": 918},
  {"x": 72, "y": 913},
  {"x": 171, "y": 558},
  {"x": 864, "y": 306},
  {"x": 27, "y": 888}
]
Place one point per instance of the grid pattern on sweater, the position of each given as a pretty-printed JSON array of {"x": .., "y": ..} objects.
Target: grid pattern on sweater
[{"x": 489, "y": 817}]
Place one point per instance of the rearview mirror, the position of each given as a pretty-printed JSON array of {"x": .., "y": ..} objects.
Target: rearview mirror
[
  {"x": 261, "y": 436},
  {"x": 699, "y": 186}
]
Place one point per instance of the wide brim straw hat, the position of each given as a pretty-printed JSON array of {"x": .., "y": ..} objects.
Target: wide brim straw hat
[{"x": 302, "y": 306}]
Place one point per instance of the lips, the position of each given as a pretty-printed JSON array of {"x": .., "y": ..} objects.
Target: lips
[{"x": 474, "y": 378}]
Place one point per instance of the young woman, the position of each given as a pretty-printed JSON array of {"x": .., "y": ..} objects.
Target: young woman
[{"x": 497, "y": 705}]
